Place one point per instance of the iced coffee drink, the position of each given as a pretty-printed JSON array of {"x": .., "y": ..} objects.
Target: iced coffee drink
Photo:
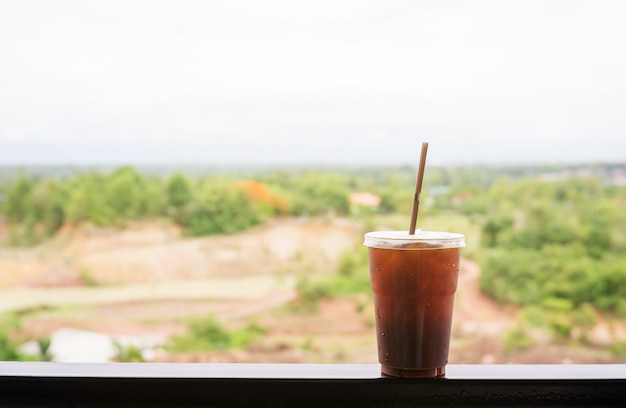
[{"x": 414, "y": 278}]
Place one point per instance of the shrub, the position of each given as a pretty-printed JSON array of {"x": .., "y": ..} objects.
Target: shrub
[
  {"x": 310, "y": 292},
  {"x": 9, "y": 351},
  {"x": 517, "y": 338},
  {"x": 218, "y": 209},
  {"x": 353, "y": 262},
  {"x": 207, "y": 334},
  {"x": 128, "y": 353},
  {"x": 44, "y": 344},
  {"x": 619, "y": 349}
]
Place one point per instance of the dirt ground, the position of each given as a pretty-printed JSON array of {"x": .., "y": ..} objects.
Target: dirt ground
[{"x": 147, "y": 279}]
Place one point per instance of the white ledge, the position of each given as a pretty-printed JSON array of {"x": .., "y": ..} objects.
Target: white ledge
[{"x": 304, "y": 371}]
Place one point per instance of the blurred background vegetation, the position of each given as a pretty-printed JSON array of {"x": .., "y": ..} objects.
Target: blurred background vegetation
[{"x": 549, "y": 239}]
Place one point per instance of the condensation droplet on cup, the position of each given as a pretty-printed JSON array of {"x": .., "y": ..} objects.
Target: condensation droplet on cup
[{"x": 383, "y": 334}]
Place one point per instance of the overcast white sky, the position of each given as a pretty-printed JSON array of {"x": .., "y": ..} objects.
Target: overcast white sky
[{"x": 354, "y": 82}]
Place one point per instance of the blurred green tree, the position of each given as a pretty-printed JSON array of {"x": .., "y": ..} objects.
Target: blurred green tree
[
  {"x": 178, "y": 191},
  {"x": 18, "y": 197},
  {"x": 123, "y": 191},
  {"x": 219, "y": 208},
  {"x": 85, "y": 200}
]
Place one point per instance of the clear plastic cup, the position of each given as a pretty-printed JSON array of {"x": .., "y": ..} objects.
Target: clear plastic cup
[{"x": 414, "y": 278}]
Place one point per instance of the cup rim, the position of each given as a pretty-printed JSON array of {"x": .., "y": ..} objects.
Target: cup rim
[{"x": 402, "y": 240}]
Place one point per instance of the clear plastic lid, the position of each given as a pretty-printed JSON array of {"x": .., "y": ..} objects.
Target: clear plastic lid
[{"x": 420, "y": 240}]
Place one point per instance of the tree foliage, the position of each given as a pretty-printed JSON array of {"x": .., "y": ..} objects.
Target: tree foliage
[
  {"x": 218, "y": 208},
  {"x": 178, "y": 191},
  {"x": 36, "y": 207},
  {"x": 555, "y": 242}
]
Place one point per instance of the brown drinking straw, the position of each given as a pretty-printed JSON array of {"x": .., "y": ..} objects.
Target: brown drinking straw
[{"x": 418, "y": 188}]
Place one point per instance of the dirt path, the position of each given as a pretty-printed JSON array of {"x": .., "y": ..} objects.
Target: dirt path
[
  {"x": 240, "y": 287},
  {"x": 474, "y": 312}
]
